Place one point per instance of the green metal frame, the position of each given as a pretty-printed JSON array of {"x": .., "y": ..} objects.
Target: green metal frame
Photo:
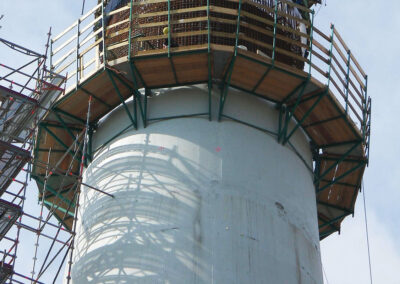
[
  {"x": 228, "y": 74},
  {"x": 111, "y": 77},
  {"x": 209, "y": 83},
  {"x": 53, "y": 191},
  {"x": 52, "y": 134},
  {"x": 286, "y": 108}
]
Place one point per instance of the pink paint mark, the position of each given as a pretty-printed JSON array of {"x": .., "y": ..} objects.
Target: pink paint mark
[
  {"x": 218, "y": 149},
  {"x": 161, "y": 148}
]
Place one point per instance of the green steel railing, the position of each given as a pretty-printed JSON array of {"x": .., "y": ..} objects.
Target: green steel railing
[{"x": 328, "y": 56}]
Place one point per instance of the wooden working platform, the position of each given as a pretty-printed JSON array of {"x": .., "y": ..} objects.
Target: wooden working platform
[
  {"x": 327, "y": 123},
  {"x": 253, "y": 47}
]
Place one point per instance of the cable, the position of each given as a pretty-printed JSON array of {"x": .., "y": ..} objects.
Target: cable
[
  {"x": 366, "y": 230},
  {"x": 83, "y": 6}
]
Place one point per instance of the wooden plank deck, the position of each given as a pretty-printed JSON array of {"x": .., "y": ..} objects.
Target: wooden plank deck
[{"x": 326, "y": 124}]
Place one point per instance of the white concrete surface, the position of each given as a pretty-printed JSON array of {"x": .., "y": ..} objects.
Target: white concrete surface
[{"x": 198, "y": 201}]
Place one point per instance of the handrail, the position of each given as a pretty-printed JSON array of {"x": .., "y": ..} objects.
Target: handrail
[{"x": 331, "y": 57}]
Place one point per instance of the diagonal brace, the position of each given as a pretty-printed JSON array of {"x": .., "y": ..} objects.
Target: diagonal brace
[{"x": 110, "y": 75}]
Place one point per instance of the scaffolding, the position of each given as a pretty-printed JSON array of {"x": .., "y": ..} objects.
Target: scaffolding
[{"x": 26, "y": 93}]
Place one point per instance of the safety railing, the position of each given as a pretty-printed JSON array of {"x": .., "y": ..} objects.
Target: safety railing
[
  {"x": 279, "y": 30},
  {"x": 78, "y": 49},
  {"x": 343, "y": 73}
]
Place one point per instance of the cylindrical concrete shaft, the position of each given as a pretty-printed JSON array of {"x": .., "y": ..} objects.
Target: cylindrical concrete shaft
[{"x": 198, "y": 201}]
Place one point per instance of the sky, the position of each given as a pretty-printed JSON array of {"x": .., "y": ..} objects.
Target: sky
[{"x": 370, "y": 29}]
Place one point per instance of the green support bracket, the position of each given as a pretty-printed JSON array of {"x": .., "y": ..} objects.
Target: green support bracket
[
  {"x": 136, "y": 93},
  {"x": 60, "y": 142},
  {"x": 333, "y": 220},
  {"x": 47, "y": 123},
  {"x": 58, "y": 208},
  {"x": 344, "y": 156},
  {"x": 110, "y": 75},
  {"x": 341, "y": 177},
  {"x": 323, "y": 94},
  {"x": 228, "y": 74},
  {"x": 78, "y": 119},
  {"x": 142, "y": 108},
  {"x": 64, "y": 125},
  {"x": 323, "y": 121},
  {"x": 262, "y": 78},
  {"x": 324, "y": 235},
  {"x": 342, "y": 183},
  {"x": 173, "y": 70},
  {"x": 340, "y": 143},
  {"x": 53, "y": 191},
  {"x": 328, "y": 223},
  {"x": 290, "y": 113},
  {"x": 335, "y": 207},
  {"x": 295, "y": 90}
]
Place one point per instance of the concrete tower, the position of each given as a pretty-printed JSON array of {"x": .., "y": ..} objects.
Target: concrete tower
[{"x": 213, "y": 153}]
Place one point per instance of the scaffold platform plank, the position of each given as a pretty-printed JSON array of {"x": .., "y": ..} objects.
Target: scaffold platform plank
[
  {"x": 17, "y": 114},
  {"x": 12, "y": 160},
  {"x": 9, "y": 213}
]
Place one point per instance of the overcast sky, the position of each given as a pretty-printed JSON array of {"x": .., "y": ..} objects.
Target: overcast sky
[{"x": 371, "y": 30}]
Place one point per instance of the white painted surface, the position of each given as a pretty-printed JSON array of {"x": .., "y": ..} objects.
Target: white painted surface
[{"x": 198, "y": 201}]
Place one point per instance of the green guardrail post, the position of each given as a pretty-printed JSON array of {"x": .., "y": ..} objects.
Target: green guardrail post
[
  {"x": 228, "y": 74},
  {"x": 103, "y": 21},
  {"x": 347, "y": 80},
  {"x": 238, "y": 27},
  {"x": 169, "y": 28},
  {"x": 77, "y": 54},
  {"x": 130, "y": 31},
  {"x": 330, "y": 54},
  {"x": 51, "y": 55},
  {"x": 209, "y": 60},
  {"x": 311, "y": 41},
  {"x": 365, "y": 109}
]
